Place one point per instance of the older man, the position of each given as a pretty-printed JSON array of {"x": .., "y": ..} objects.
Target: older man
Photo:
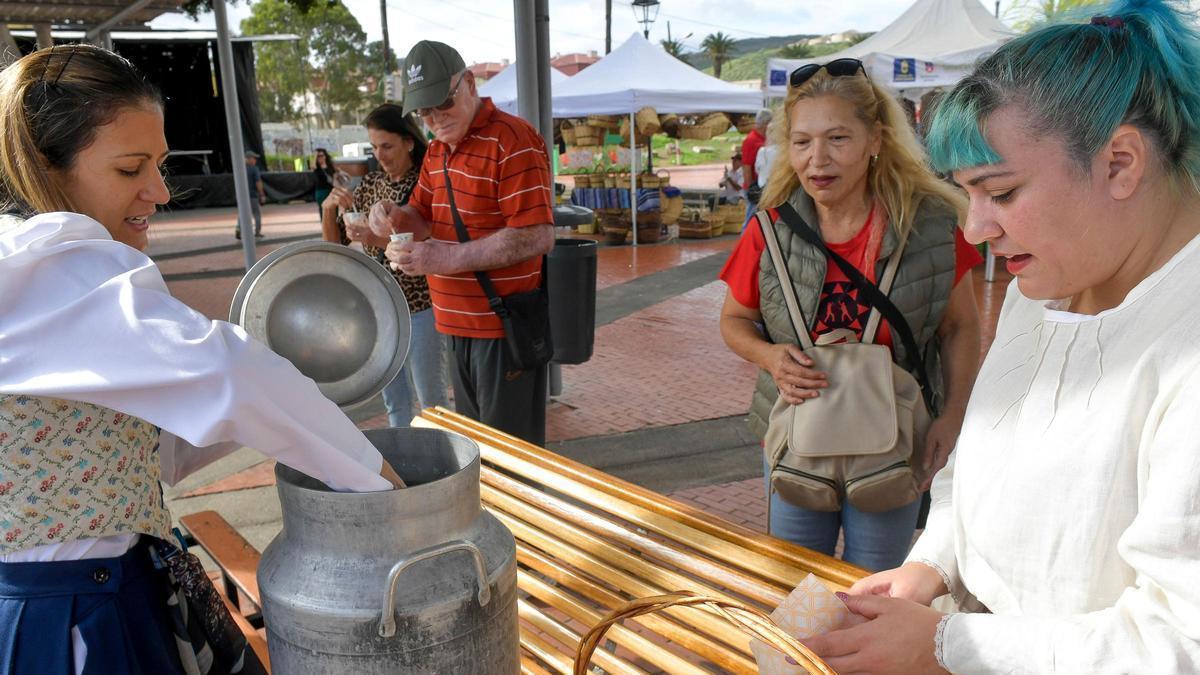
[
  {"x": 499, "y": 180},
  {"x": 755, "y": 140}
]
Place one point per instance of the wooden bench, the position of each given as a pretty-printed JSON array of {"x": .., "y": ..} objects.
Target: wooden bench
[{"x": 587, "y": 542}]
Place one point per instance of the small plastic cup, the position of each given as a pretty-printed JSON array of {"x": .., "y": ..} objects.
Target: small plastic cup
[{"x": 401, "y": 237}]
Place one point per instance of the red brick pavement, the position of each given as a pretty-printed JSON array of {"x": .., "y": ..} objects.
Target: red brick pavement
[{"x": 661, "y": 366}]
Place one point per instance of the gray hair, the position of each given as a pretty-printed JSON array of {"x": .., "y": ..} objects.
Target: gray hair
[{"x": 762, "y": 117}]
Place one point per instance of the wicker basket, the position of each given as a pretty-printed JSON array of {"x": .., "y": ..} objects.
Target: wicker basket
[
  {"x": 641, "y": 139},
  {"x": 695, "y": 231},
  {"x": 669, "y": 124},
  {"x": 672, "y": 208},
  {"x": 744, "y": 122},
  {"x": 718, "y": 122},
  {"x": 583, "y": 180},
  {"x": 615, "y": 235},
  {"x": 647, "y": 121},
  {"x": 695, "y": 132},
  {"x": 586, "y": 135},
  {"x": 603, "y": 122},
  {"x": 649, "y": 180},
  {"x": 752, "y": 622},
  {"x": 567, "y": 128}
]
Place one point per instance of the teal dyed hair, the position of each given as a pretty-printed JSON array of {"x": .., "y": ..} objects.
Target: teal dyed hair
[{"x": 1079, "y": 82}]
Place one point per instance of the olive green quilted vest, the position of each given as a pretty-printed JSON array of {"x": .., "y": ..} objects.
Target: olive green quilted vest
[{"x": 921, "y": 290}]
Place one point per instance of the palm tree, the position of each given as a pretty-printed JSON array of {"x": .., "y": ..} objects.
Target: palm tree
[
  {"x": 674, "y": 48},
  {"x": 719, "y": 48},
  {"x": 1029, "y": 14}
]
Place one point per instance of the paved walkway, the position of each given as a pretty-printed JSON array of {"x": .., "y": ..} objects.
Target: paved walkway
[{"x": 659, "y": 359}]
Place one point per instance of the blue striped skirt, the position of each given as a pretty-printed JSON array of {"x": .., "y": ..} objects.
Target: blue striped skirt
[{"x": 118, "y": 605}]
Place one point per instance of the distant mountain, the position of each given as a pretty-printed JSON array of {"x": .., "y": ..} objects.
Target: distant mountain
[
  {"x": 701, "y": 61},
  {"x": 753, "y": 66}
]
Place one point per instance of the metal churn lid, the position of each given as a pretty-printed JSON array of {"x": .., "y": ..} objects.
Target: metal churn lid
[{"x": 332, "y": 311}]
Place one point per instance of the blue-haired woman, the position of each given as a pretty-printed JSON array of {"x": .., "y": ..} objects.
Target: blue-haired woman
[{"x": 1066, "y": 527}]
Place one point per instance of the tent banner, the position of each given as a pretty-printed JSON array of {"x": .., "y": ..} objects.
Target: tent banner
[{"x": 896, "y": 72}]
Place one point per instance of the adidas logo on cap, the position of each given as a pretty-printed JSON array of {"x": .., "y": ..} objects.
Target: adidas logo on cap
[{"x": 414, "y": 73}]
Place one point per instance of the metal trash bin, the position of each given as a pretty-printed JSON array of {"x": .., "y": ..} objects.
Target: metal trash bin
[{"x": 571, "y": 267}]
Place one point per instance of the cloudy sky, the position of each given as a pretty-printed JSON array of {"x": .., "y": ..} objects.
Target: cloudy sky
[{"x": 483, "y": 29}]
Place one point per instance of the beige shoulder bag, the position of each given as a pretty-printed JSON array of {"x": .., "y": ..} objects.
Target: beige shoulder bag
[{"x": 857, "y": 439}]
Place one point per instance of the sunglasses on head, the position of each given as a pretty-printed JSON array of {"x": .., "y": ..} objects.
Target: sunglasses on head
[
  {"x": 836, "y": 68},
  {"x": 448, "y": 103}
]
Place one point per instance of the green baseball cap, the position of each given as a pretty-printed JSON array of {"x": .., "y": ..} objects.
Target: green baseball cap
[{"x": 428, "y": 70}]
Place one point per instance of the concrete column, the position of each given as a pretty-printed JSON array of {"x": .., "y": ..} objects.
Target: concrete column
[
  {"x": 8, "y": 46},
  {"x": 44, "y": 39}
]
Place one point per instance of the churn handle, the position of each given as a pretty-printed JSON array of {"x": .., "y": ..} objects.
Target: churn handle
[{"x": 387, "y": 622}]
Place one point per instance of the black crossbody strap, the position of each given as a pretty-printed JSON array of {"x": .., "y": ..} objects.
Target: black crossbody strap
[
  {"x": 869, "y": 291},
  {"x": 494, "y": 299}
]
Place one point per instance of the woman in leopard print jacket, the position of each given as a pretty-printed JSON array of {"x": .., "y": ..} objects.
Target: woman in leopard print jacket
[{"x": 399, "y": 147}]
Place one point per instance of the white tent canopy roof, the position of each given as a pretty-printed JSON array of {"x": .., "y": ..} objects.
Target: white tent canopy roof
[
  {"x": 503, "y": 87},
  {"x": 639, "y": 74},
  {"x": 933, "y": 43}
]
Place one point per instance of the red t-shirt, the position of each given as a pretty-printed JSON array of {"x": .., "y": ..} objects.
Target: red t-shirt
[
  {"x": 839, "y": 306},
  {"x": 750, "y": 147},
  {"x": 501, "y": 178}
]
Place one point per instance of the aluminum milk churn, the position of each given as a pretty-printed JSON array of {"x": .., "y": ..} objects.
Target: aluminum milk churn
[{"x": 419, "y": 580}]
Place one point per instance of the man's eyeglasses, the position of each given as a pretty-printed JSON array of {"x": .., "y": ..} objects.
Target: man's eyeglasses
[
  {"x": 448, "y": 103},
  {"x": 836, "y": 68}
]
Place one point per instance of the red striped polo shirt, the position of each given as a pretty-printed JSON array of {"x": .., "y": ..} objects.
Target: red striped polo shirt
[{"x": 501, "y": 178}]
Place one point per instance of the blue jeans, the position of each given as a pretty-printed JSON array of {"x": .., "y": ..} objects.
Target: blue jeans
[
  {"x": 751, "y": 209},
  {"x": 424, "y": 372},
  {"x": 875, "y": 541}
]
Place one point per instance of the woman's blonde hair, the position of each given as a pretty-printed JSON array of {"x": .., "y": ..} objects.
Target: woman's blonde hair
[
  {"x": 899, "y": 178},
  {"x": 52, "y": 101}
]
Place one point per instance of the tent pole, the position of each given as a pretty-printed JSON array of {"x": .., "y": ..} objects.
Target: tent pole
[
  {"x": 237, "y": 149},
  {"x": 633, "y": 195}
]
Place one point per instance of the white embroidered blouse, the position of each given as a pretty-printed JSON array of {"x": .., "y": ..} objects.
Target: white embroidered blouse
[{"x": 85, "y": 318}]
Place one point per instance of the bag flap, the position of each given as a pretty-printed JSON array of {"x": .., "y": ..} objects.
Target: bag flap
[{"x": 856, "y": 414}]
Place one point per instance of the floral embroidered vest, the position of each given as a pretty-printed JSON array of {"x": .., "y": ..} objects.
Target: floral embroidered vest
[{"x": 71, "y": 470}]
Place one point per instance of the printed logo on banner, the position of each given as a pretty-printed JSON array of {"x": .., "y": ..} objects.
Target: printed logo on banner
[
  {"x": 904, "y": 70},
  {"x": 778, "y": 78},
  {"x": 929, "y": 66},
  {"x": 414, "y": 73}
]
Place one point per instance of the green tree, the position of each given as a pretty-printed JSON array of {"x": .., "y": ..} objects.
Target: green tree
[
  {"x": 799, "y": 50},
  {"x": 719, "y": 48},
  {"x": 329, "y": 58},
  {"x": 1026, "y": 15},
  {"x": 673, "y": 47}
]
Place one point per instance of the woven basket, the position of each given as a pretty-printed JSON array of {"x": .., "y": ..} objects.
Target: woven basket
[
  {"x": 641, "y": 139},
  {"x": 718, "y": 122},
  {"x": 695, "y": 231},
  {"x": 672, "y": 208},
  {"x": 750, "y": 621},
  {"x": 615, "y": 235},
  {"x": 603, "y": 122},
  {"x": 586, "y": 136},
  {"x": 583, "y": 180},
  {"x": 649, "y": 180},
  {"x": 567, "y": 128},
  {"x": 647, "y": 121},
  {"x": 695, "y": 132},
  {"x": 669, "y": 124},
  {"x": 744, "y": 123}
]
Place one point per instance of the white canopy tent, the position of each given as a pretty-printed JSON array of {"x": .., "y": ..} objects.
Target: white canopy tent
[
  {"x": 638, "y": 74},
  {"x": 503, "y": 87},
  {"x": 932, "y": 44}
]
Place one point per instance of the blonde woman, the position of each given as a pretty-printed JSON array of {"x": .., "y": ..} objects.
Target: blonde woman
[{"x": 851, "y": 167}]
